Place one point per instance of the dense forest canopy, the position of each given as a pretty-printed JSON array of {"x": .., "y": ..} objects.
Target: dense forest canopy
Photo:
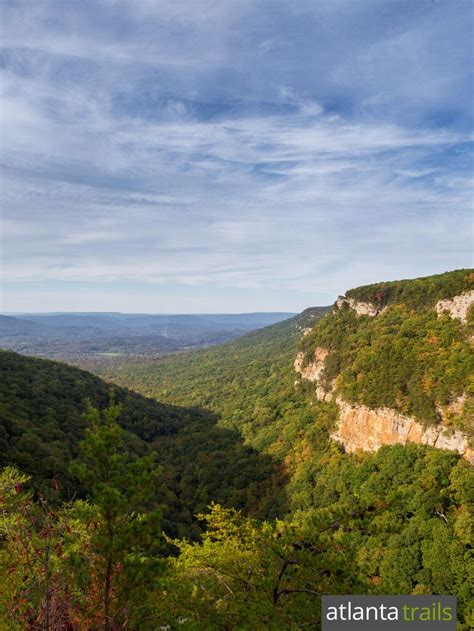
[
  {"x": 249, "y": 383},
  {"x": 41, "y": 424},
  {"x": 227, "y": 505}
]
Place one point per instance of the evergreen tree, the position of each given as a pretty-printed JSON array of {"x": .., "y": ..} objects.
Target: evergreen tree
[{"x": 124, "y": 520}]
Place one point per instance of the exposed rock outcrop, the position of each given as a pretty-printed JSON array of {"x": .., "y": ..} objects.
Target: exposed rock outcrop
[
  {"x": 360, "y": 427},
  {"x": 363, "y": 428},
  {"x": 367, "y": 429},
  {"x": 314, "y": 371},
  {"x": 458, "y": 306},
  {"x": 361, "y": 308}
]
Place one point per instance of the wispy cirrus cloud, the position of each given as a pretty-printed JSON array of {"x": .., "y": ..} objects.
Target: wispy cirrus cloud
[{"x": 234, "y": 149}]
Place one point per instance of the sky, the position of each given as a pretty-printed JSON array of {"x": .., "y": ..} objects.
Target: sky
[{"x": 231, "y": 155}]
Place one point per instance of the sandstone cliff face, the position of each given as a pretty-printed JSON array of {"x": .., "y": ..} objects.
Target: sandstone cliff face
[
  {"x": 314, "y": 371},
  {"x": 458, "y": 306},
  {"x": 366, "y": 429},
  {"x": 361, "y": 308},
  {"x": 362, "y": 428}
]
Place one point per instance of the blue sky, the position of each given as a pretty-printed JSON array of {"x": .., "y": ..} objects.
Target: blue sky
[{"x": 232, "y": 155}]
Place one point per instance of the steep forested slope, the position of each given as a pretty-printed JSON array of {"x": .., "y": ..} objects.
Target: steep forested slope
[
  {"x": 249, "y": 382},
  {"x": 412, "y": 353},
  {"x": 41, "y": 423},
  {"x": 41, "y": 406}
]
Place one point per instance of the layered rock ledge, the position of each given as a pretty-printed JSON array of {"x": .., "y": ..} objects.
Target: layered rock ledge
[{"x": 367, "y": 429}]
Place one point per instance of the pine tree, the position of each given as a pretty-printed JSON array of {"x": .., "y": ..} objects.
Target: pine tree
[{"x": 126, "y": 534}]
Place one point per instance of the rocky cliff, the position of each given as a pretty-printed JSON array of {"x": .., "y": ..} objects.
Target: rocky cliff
[
  {"x": 362, "y": 428},
  {"x": 367, "y": 428},
  {"x": 458, "y": 306},
  {"x": 361, "y": 308}
]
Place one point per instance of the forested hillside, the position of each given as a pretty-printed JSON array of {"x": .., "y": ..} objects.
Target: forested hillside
[
  {"x": 41, "y": 424},
  {"x": 295, "y": 516},
  {"x": 408, "y": 355},
  {"x": 249, "y": 382}
]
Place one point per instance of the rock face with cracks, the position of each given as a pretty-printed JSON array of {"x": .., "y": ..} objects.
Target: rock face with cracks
[
  {"x": 457, "y": 307},
  {"x": 361, "y": 308},
  {"x": 367, "y": 429}
]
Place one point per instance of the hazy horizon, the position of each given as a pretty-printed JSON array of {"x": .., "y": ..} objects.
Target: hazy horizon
[
  {"x": 135, "y": 313},
  {"x": 236, "y": 311}
]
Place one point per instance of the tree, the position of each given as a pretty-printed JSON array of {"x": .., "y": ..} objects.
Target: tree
[
  {"x": 124, "y": 521},
  {"x": 35, "y": 592}
]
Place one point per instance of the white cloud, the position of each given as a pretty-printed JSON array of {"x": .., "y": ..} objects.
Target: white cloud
[{"x": 116, "y": 170}]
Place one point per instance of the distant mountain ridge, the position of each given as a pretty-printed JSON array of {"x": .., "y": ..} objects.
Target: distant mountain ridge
[
  {"x": 132, "y": 319},
  {"x": 80, "y": 336},
  {"x": 10, "y": 325}
]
